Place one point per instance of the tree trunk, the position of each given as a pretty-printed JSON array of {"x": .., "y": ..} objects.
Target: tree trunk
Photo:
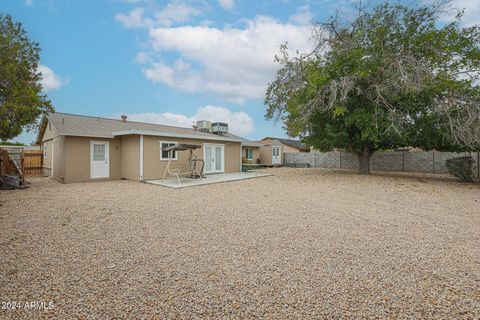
[{"x": 364, "y": 161}]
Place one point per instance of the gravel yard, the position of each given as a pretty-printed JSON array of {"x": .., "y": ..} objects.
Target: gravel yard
[{"x": 303, "y": 243}]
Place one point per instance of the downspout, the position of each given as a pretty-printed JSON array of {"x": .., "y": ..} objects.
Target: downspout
[
  {"x": 51, "y": 163},
  {"x": 241, "y": 150},
  {"x": 141, "y": 157}
]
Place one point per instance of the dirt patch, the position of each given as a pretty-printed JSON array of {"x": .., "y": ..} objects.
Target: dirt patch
[{"x": 302, "y": 243}]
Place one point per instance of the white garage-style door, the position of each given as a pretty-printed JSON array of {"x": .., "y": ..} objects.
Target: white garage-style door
[
  {"x": 99, "y": 159},
  {"x": 276, "y": 155},
  {"x": 214, "y": 156}
]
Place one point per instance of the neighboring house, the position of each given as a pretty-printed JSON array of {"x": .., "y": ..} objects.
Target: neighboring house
[
  {"x": 250, "y": 151},
  {"x": 85, "y": 148},
  {"x": 288, "y": 145},
  {"x": 271, "y": 153}
]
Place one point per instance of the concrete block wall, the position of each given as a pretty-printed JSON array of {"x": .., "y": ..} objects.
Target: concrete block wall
[
  {"x": 418, "y": 162},
  {"x": 313, "y": 159},
  {"x": 348, "y": 161},
  {"x": 440, "y": 159},
  {"x": 327, "y": 159},
  {"x": 389, "y": 161}
]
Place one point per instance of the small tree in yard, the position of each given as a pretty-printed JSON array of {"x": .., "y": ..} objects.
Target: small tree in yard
[
  {"x": 390, "y": 78},
  {"x": 21, "y": 97}
]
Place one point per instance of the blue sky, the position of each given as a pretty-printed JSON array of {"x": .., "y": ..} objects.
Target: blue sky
[{"x": 170, "y": 62}]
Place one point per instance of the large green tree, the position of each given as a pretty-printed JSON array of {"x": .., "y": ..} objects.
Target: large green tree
[
  {"x": 21, "y": 97},
  {"x": 392, "y": 77}
]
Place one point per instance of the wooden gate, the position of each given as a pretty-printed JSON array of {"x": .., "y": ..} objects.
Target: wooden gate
[{"x": 32, "y": 161}]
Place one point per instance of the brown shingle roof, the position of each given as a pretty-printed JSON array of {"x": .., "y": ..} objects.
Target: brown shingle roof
[
  {"x": 290, "y": 142},
  {"x": 89, "y": 126},
  {"x": 79, "y": 125}
]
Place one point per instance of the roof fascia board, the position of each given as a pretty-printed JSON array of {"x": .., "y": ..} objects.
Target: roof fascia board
[
  {"x": 251, "y": 145},
  {"x": 41, "y": 129},
  {"x": 44, "y": 123},
  {"x": 87, "y": 135},
  {"x": 172, "y": 135}
]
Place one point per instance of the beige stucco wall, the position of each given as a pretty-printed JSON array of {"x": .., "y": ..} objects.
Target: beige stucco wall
[
  {"x": 266, "y": 152},
  {"x": 48, "y": 141},
  {"x": 233, "y": 159},
  {"x": 77, "y": 158},
  {"x": 285, "y": 148},
  {"x": 71, "y": 159},
  {"x": 58, "y": 158},
  {"x": 53, "y": 157},
  {"x": 47, "y": 157},
  {"x": 154, "y": 167},
  {"x": 130, "y": 157},
  {"x": 266, "y": 155},
  {"x": 50, "y": 132},
  {"x": 256, "y": 154}
]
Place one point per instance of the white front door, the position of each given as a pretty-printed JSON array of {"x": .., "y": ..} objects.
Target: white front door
[
  {"x": 214, "y": 156},
  {"x": 99, "y": 159},
  {"x": 276, "y": 156}
]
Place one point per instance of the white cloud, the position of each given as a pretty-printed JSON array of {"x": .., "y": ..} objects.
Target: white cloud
[
  {"x": 239, "y": 122},
  {"x": 303, "y": 17},
  {"x": 175, "y": 12},
  {"x": 133, "y": 19},
  {"x": 234, "y": 63},
  {"x": 471, "y": 15},
  {"x": 167, "y": 118},
  {"x": 50, "y": 80},
  {"x": 142, "y": 57},
  {"x": 472, "y": 11},
  {"x": 227, "y": 4},
  {"x": 28, "y": 2}
]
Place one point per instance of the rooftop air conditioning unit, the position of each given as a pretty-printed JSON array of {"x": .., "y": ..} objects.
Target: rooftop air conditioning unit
[
  {"x": 204, "y": 125},
  {"x": 220, "y": 127}
]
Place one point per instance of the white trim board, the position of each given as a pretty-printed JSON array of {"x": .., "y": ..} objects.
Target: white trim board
[
  {"x": 205, "y": 136},
  {"x": 51, "y": 154},
  {"x": 141, "y": 157}
]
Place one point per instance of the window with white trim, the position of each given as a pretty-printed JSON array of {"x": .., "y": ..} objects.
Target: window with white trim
[
  {"x": 249, "y": 153},
  {"x": 44, "y": 150},
  {"x": 164, "y": 155}
]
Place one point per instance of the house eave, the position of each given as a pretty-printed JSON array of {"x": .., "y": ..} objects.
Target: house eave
[
  {"x": 172, "y": 135},
  {"x": 101, "y": 136},
  {"x": 251, "y": 145}
]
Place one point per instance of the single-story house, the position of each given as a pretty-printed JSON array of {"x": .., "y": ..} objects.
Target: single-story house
[
  {"x": 86, "y": 148},
  {"x": 268, "y": 154},
  {"x": 288, "y": 145}
]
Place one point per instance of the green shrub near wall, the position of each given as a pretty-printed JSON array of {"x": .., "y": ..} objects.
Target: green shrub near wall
[{"x": 461, "y": 167}]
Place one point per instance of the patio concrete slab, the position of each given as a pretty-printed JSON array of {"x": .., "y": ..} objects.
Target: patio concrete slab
[{"x": 172, "y": 182}]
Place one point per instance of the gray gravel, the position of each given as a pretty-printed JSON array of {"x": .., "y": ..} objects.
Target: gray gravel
[{"x": 301, "y": 244}]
